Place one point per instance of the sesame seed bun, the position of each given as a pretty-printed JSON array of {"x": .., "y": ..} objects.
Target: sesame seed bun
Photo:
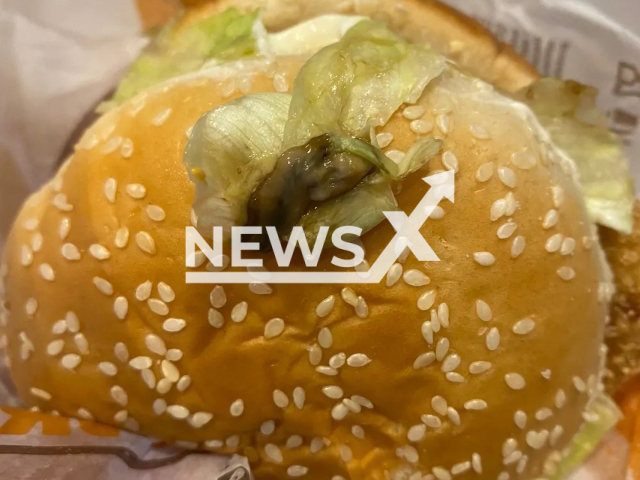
[
  {"x": 460, "y": 38},
  {"x": 322, "y": 380}
]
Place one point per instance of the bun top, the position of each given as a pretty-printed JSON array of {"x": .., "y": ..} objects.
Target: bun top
[
  {"x": 444, "y": 368},
  {"x": 463, "y": 40}
]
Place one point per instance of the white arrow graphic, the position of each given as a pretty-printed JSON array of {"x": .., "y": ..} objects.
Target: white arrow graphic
[{"x": 407, "y": 235}]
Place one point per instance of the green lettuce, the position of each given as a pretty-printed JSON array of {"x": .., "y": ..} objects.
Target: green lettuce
[
  {"x": 176, "y": 51},
  {"x": 356, "y": 84},
  {"x": 569, "y": 113}
]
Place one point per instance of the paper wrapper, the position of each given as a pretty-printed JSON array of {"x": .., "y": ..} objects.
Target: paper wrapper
[{"x": 60, "y": 58}]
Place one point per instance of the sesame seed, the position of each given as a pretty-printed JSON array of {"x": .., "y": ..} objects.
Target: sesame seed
[
  {"x": 183, "y": 383},
  {"x": 198, "y": 258},
  {"x": 280, "y": 399},
  {"x": 163, "y": 386},
  {"x": 121, "y": 416},
  {"x": 339, "y": 411},
  {"x": 85, "y": 414},
  {"x": 349, "y": 296},
  {"x": 394, "y": 274},
  {"x": 475, "y": 404},
  {"x": 476, "y": 463},
  {"x": 146, "y": 243},
  {"x": 484, "y": 259},
  {"x": 517, "y": 247},
  {"x": 140, "y": 363},
  {"x": 560, "y": 399},
  {"x": 260, "y": 288},
  {"x": 99, "y": 252},
  {"x": 338, "y": 360},
  {"x": 450, "y": 363},
  {"x": 454, "y": 377},
  {"x": 358, "y": 360},
  {"x": 439, "y": 405},
  {"x": 506, "y": 230},
  {"x": 121, "y": 352},
  {"x": 41, "y": 394},
  {"x": 414, "y": 112},
  {"x": 566, "y": 273},
  {"x": 273, "y": 452},
  {"x": 102, "y": 285},
  {"x": 297, "y": 471},
  {"x": 512, "y": 458},
  {"x": 415, "y": 278},
  {"x": 441, "y": 473},
  {"x": 237, "y": 408},
  {"x": 362, "y": 309},
  {"x": 31, "y": 307},
  {"x": 453, "y": 415},
  {"x": 426, "y": 300},
  {"x": 536, "y": 440},
  {"x": 460, "y": 468},
  {"x": 155, "y": 213},
  {"x": 136, "y": 190},
  {"x": 109, "y": 189},
  {"x": 384, "y": 139},
  {"x": 509, "y": 446},
  {"x": 161, "y": 117},
  {"x": 126, "y": 150},
  {"x": 520, "y": 419},
  {"x": 274, "y": 328},
  {"x": 121, "y": 307},
  {"x": 493, "y": 339},
  {"x": 358, "y": 432},
  {"x": 476, "y": 368},
  {"x": 504, "y": 476},
  {"x": 155, "y": 344},
  {"x": 515, "y": 381},
  {"x": 332, "y": 372},
  {"x": 523, "y": 160},
  {"x": 81, "y": 343},
  {"x": 268, "y": 427},
  {"x": 218, "y": 297},
  {"x": 409, "y": 453},
  {"x": 568, "y": 246},
  {"x": 70, "y": 252},
  {"x": 61, "y": 203},
  {"x": 36, "y": 242},
  {"x": 555, "y": 435},
  {"x": 299, "y": 397},
  {"x": 178, "y": 412},
  {"x": 70, "y": 361},
  {"x": 524, "y": 327},
  {"x": 345, "y": 453},
  {"x": 546, "y": 374},
  {"x": 170, "y": 371},
  {"x": 280, "y": 83},
  {"x": 544, "y": 414},
  {"x": 421, "y": 127},
  {"x": 427, "y": 332},
  {"x": 507, "y": 177},
  {"x": 46, "y": 272},
  {"x": 55, "y": 347},
  {"x": 479, "y": 132},
  {"x": 424, "y": 360},
  {"x": 233, "y": 441},
  {"x": 173, "y": 354},
  {"x": 431, "y": 421},
  {"x": 26, "y": 256},
  {"x": 239, "y": 312},
  {"x": 442, "y": 348},
  {"x": 325, "y": 307},
  {"x": 498, "y": 209},
  {"x": 158, "y": 306},
  {"x": 315, "y": 355},
  {"x": 166, "y": 292},
  {"x": 143, "y": 292},
  {"x": 485, "y": 172},
  {"x": 512, "y": 204},
  {"x": 111, "y": 145},
  {"x": 395, "y": 155},
  {"x": 580, "y": 385},
  {"x": 148, "y": 378},
  {"x": 443, "y": 123},
  {"x": 360, "y": 400},
  {"x": 450, "y": 161},
  {"x": 31, "y": 224},
  {"x": 550, "y": 219},
  {"x": 333, "y": 391},
  {"x": 557, "y": 196},
  {"x": 108, "y": 368}
]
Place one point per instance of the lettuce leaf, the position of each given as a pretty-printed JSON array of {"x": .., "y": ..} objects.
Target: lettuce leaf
[
  {"x": 569, "y": 113},
  {"x": 358, "y": 83},
  {"x": 176, "y": 51}
]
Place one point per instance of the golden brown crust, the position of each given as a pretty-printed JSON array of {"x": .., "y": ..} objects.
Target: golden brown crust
[
  {"x": 452, "y": 33},
  {"x": 142, "y": 143}
]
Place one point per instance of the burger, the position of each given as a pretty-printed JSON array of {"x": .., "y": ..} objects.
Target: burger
[{"x": 485, "y": 364}]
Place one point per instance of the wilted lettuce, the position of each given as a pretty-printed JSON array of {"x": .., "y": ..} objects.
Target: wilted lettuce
[
  {"x": 569, "y": 113},
  {"x": 358, "y": 83},
  {"x": 608, "y": 415},
  {"x": 231, "y": 150},
  {"x": 176, "y": 51}
]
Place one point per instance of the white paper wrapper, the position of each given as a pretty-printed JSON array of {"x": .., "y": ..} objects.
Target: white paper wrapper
[{"x": 58, "y": 59}]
